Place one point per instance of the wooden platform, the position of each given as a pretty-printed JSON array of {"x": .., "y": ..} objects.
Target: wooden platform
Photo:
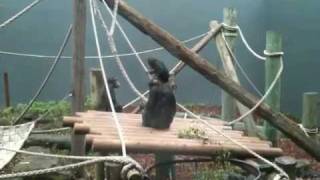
[{"x": 101, "y": 135}]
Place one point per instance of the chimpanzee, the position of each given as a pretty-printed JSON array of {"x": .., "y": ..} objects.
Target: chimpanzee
[
  {"x": 161, "y": 105},
  {"x": 113, "y": 84}
]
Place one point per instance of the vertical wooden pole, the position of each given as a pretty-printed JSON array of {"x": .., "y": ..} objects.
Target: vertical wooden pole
[
  {"x": 272, "y": 65},
  {"x": 79, "y": 28},
  {"x": 228, "y": 102},
  {"x": 166, "y": 171},
  {"x": 78, "y": 96},
  {"x": 98, "y": 90},
  {"x": 6, "y": 89},
  {"x": 310, "y": 112}
]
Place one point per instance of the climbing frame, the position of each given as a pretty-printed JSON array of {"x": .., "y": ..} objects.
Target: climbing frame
[{"x": 101, "y": 134}]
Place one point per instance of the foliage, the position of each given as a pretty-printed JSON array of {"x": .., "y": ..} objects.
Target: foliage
[
  {"x": 52, "y": 111},
  {"x": 192, "y": 133}
]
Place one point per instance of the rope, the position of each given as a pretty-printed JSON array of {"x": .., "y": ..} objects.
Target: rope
[
  {"x": 126, "y": 38},
  {"x": 244, "y": 41},
  {"x": 278, "y": 75},
  {"x": 308, "y": 131},
  {"x": 114, "y": 114},
  {"x": 19, "y": 14},
  {"x": 96, "y": 57},
  {"x": 44, "y": 83},
  {"x": 89, "y": 160},
  {"x": 114, "y": 17},
  {"x": 239, "y": 65},
  {"x": 118, "y": 60}
]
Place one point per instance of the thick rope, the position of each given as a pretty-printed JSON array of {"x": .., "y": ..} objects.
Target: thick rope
[
  {"x": 134, "y": 51},
  {"x": 89, "y": 160},
  {"x": 96, "y": 57},
  {"x": 278, "y": 75},
  {"x": 44, "y": 83},
  {"x": 114, "y": 51},
  {"x": 244, "y": 41},
  {"x": 114, "y": 114},
  {"x": 114, "y": 17},
  {"x": 19, "y": 14}
]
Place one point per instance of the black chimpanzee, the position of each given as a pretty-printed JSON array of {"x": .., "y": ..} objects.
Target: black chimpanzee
[
  {"x": 161, "y": 106},
  {"x": 113, "y": 84}
]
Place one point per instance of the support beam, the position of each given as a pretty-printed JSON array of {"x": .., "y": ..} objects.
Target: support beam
[
  {"x": 228, "y": 65},
  {"x": 79, "y": 28},
  {"x": 212, "y": 74},
  {"x": 228, "y": 103},
  {"x": 272, "y": 66}
]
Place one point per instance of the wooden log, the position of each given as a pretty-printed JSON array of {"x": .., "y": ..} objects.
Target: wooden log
[
  {"x": 44, "y": 140},
  {"x": 272, "y": 65},
  {"x": 199, "y": 46},
  {"x": 229, "y": 110},
  {"x": 310, "y": 112},
  {"x": 180, "y": 141},
  {"x": 211, "y": 73},
  {"x": 78, "y": 146},
  {"x": 171, "y": 147},
  {"x": 228, "y": 102},
  {"x": 97, "y": 90},
  {"x": 78, "y": 53},
  {"x": 6, "y": 91}
]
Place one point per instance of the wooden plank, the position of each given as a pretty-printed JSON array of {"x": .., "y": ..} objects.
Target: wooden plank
[{"x": 114, "y": 145}]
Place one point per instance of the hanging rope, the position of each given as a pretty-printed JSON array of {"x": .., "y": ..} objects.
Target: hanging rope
[
  {"x": 278, "y": 75},
  {"x": 19, "y": 14},
  {"x": 114, "y": 51},
  {"x": 96, "y": 57},
  {"x": 114, "y": 17},
  {"x": 126, "y": 38},
  {"x": 239, "y": 65},
  {"x": 114, "y": 114},
  {"x": 44, "y": 83}
]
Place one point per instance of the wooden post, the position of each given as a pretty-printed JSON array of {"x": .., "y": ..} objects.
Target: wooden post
[
  {"x": 166, "y": 171},
  {"x": 228, "y": 65},
  {"x": 79, "y": 28},
  {"x": 272, "y": 65},
  {"x": 98, "y": 90},
  {"x": 229, "y": 109},
  {"x": 6, "y": 89},
  {"x": 212, "y": 74},
  {"x": 310, "y": 112}
]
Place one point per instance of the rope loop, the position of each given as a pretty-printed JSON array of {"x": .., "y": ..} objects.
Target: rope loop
[
  {"x": 272, "y": 54},
  {"x": 308, "y": 131}
]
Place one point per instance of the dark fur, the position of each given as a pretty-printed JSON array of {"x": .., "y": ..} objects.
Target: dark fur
[
  {"x": 161, "y": 106},
  {"x": 113, "y": 84}
]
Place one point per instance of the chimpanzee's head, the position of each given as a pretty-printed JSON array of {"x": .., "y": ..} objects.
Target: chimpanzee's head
[{"x": 158, "y": 69}]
